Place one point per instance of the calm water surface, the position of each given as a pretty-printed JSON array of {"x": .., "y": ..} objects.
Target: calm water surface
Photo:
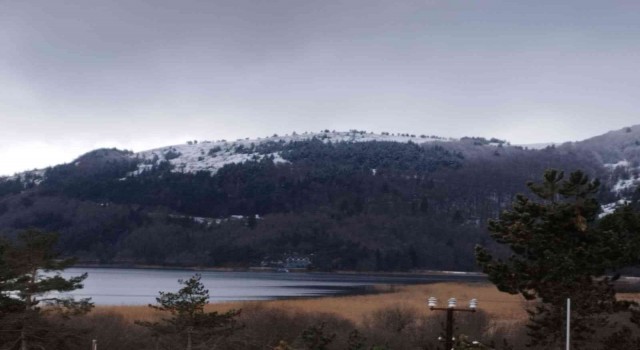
[{"x": 111, "y": 286}]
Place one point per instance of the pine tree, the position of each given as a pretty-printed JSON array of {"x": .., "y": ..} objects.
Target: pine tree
[
  {"x": 188, "y": 321},
  {"x": 559, "y": 251},
  {"x": 31, "y": 288}
]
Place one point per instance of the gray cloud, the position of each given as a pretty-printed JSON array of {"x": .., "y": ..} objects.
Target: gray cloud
[{"x": 139, "y": 74}]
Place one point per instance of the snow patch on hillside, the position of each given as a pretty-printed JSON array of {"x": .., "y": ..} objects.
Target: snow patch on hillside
[
  {"x": 611, "y": 207},
  {"x": 35, "y": 176},
  {"x": 197, "y": 157},
  {"x": 624, "y": 175},
  {"x": 537, "y": 146},
  {"x": 622, "y": 164},
  {"x": 624, "y": 185},
  {"x": 626, "y": 180}
]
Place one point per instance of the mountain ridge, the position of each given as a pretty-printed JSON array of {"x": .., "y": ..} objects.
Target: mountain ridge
[{"x": 200, "y": 149}]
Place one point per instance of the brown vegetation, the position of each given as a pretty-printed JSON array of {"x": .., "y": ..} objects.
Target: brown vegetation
[{"x": 497, "y": 305}]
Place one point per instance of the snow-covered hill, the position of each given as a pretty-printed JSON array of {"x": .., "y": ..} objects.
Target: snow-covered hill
[
  {"x": 211, "y": 156},
  {"x": 195, "y": 156},
  {"x": 619, "y": 152}
]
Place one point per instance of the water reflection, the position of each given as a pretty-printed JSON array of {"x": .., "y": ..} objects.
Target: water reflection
[{"x": 111, "y": 286}]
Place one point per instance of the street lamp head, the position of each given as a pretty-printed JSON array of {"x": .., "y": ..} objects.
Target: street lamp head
[
  {"x": 452, "y": 303},
  {"x": 432, "y": 302},
  {"x": 473, "y": 304}
]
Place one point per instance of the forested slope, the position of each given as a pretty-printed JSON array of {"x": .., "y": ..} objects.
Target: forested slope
[{"x": 365, "y": 204}]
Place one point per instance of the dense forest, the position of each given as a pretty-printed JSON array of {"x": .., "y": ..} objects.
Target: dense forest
[{"x": 376, "y": 205}]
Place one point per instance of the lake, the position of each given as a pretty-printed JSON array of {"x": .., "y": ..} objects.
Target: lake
[{"x": 117, "y": 286}]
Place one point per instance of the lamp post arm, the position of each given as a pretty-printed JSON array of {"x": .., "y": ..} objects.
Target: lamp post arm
[{"x": 450, "y": 308}]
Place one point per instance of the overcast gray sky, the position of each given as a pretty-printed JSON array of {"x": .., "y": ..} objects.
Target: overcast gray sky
[{"x": 77, "y": 75}]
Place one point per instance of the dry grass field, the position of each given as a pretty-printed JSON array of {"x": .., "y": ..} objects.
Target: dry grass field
[
  {"x": 502, "y": 308},
  {"x": 499, "y": 306}
]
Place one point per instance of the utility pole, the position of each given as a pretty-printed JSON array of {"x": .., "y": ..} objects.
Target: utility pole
[
  {"x": 568, "y": 323},
  {"x": 23, "y": 340},
  {"x": 189, "y": 331},
  {"x": 450, "y": 309},
  {"x": 448, "y": 341}
]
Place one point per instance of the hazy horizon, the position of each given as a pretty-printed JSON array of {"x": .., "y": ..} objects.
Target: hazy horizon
[{"x": 136, "y": 75}]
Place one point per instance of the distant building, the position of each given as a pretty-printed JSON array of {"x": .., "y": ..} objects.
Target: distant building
[
  {"x": 297, "y": 262},
  {"x": 288, "y": 262}
]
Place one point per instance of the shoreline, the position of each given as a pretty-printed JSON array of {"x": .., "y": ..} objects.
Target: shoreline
[{"x": 291, "y": 270}]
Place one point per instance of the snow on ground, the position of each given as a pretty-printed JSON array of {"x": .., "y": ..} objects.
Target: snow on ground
[
  {"x": 212, "y": 156},
  {"x": 611, "y": 207},
  {"x": 210, "y": 221},
  {"x": 536, "y": 145},
  {"x": 36, "y": 176},
  {"x": 196, "y": 157},
  {"x": 623, "y": 163},
  {"x": 623, "y": 185}
]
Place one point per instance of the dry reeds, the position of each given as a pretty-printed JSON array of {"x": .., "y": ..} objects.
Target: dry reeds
[{"x": 500, "y": 306}]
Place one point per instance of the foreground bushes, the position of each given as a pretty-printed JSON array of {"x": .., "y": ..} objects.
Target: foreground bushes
[{"x": 395, "y": 327}]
